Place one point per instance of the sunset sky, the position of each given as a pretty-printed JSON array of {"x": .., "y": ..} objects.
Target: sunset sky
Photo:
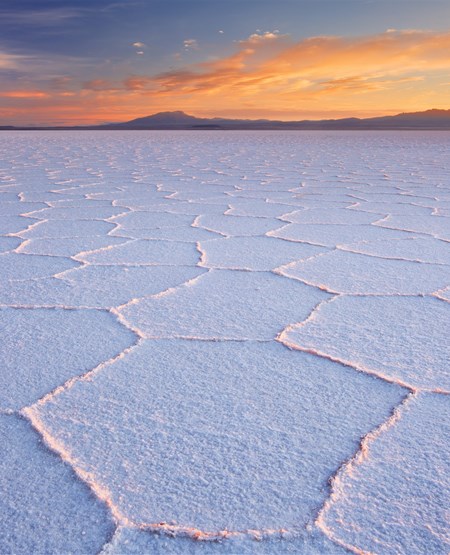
[{"x": 97, "y": 61}]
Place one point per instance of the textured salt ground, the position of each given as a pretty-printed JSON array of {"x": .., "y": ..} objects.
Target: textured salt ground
[
  {"x": 332, "y": 235},
  {"x": 418, "y": 249},
  {"x": 70, "y": 349},
  {"x": 18, "y": 267},
  {"x": 80, "y": 203},
  {"x": 184, "y": 234},
  {"x": 129, "y": 541},
  {"x": 430, "y": 225},
  {"x": 76, "y": 213},
  {"x": 93, "y": 286},
  {"x": 173, "y": 207},
  {"x": 236, "y": 226},
  {"x": 43, "y": 292},
  {"x": 257, "y": 209},
  {"x": 203, "y": 195},
  {"x": 262, "y": 179},
  {"x": 14, "y": 224},
  {"x": 217, "y": 447},
  {"x": 9, "y": 243},
  {"x": 387, "y": 208},
  {"x": 405, "y": 470},
  {"x": 69, "y": 247},
  {"x": 331, "y": 216},
  {"x": 145, "y": 253},
  {"x": 254, "y": 253},
  {"x": 444, "y": 294},
  {"x": 319, "y": 201},
  {"x": 396, "y": 200},
  {"x": 413, "y": 349},
  {"x": 44, "y": 508},
  {"x": 110, "y": 286},
  {"x": 152, "y": 220},
  {"x": 5, "y": 197},
  {"x": 70, "y": 229},
  {"x": 224, "y": 304},
  {"x": 12, "y": 208},
  {"x": 357, "y": 274}
]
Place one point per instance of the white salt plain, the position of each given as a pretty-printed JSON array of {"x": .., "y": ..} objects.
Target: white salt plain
[{"x": 224, "y": 342}]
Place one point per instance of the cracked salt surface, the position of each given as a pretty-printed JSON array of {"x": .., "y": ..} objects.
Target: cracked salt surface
[
  {"x": 347, "y": 272},
  {"x": 412, "y": 349},
  {"x": 129, "y": 541},
  {"x": 403, "y": 482},
  {"x": 333, "y": 235},
  {"x": 226, "y": 304},
  {"x": 416, "y": 249},
  {"x": 224, "y": 343},
  {"x": 217, "y": 447},
  {"x": 254, "y": 253},
  {"x": 43, "y": 507},
  {"x": 330, "y": 216},
  {"x": 63, "y": 229},
  {"x": 14, "y": 224},
  {"x": 185, "y": 234},
  {"x": 70, "y": 349},
  {"x": 68, "y": 247},
  {"x": 143, "y": 252},
  {"x": 20, "y": 267},
  {"x": 8, "y": 243},
  {"x": 436, "y": 226}
]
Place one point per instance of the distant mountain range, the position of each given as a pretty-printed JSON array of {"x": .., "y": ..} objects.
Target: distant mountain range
[{"x": 428, "y": 120}]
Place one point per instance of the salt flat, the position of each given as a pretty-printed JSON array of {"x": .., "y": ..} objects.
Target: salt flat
[{"x": 224, "y": 342}]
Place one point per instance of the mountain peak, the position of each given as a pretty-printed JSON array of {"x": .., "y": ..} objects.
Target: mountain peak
[{"x": 176, "y": 117}]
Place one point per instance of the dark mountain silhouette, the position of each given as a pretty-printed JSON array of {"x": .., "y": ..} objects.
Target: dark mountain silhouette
[
  {"x": 427, "y": 120},
  {"x": 430, "y": 119}
]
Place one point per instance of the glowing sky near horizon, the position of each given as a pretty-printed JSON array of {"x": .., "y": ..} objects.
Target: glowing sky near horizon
[{"x": 86, "y": 62}]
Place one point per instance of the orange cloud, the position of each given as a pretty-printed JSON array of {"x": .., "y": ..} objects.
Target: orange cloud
[
  {"x": 10, "y": 61},
  {"x": 270, "y": 75},
  {"x": 276, "y": 73},
  {"x": 99, "y": 85},
  {"x": 24, "y": 94},
  {"x": 315, "y": 62}
]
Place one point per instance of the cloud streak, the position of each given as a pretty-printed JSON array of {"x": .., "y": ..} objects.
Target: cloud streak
[
  {"x": 24, "y": 94},
  {"x": 42, "y": 17}
]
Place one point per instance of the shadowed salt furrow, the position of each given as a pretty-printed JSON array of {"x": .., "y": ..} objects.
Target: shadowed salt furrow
[{"x": 226, "y": 344}]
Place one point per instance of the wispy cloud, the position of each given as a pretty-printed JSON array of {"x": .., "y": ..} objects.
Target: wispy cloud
[
  {"x": 99, "y": 85},
  {"x": 41, "y": 17},
  {"x": 11, "y": 61},
  {"x": 260, "y": 36},
  {"x": 140, "y": 47},
  {"x": 190, "y": 44}
]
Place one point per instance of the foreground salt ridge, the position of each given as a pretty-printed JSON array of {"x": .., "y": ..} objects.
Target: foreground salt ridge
[{"x": 270, "y": 196}]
